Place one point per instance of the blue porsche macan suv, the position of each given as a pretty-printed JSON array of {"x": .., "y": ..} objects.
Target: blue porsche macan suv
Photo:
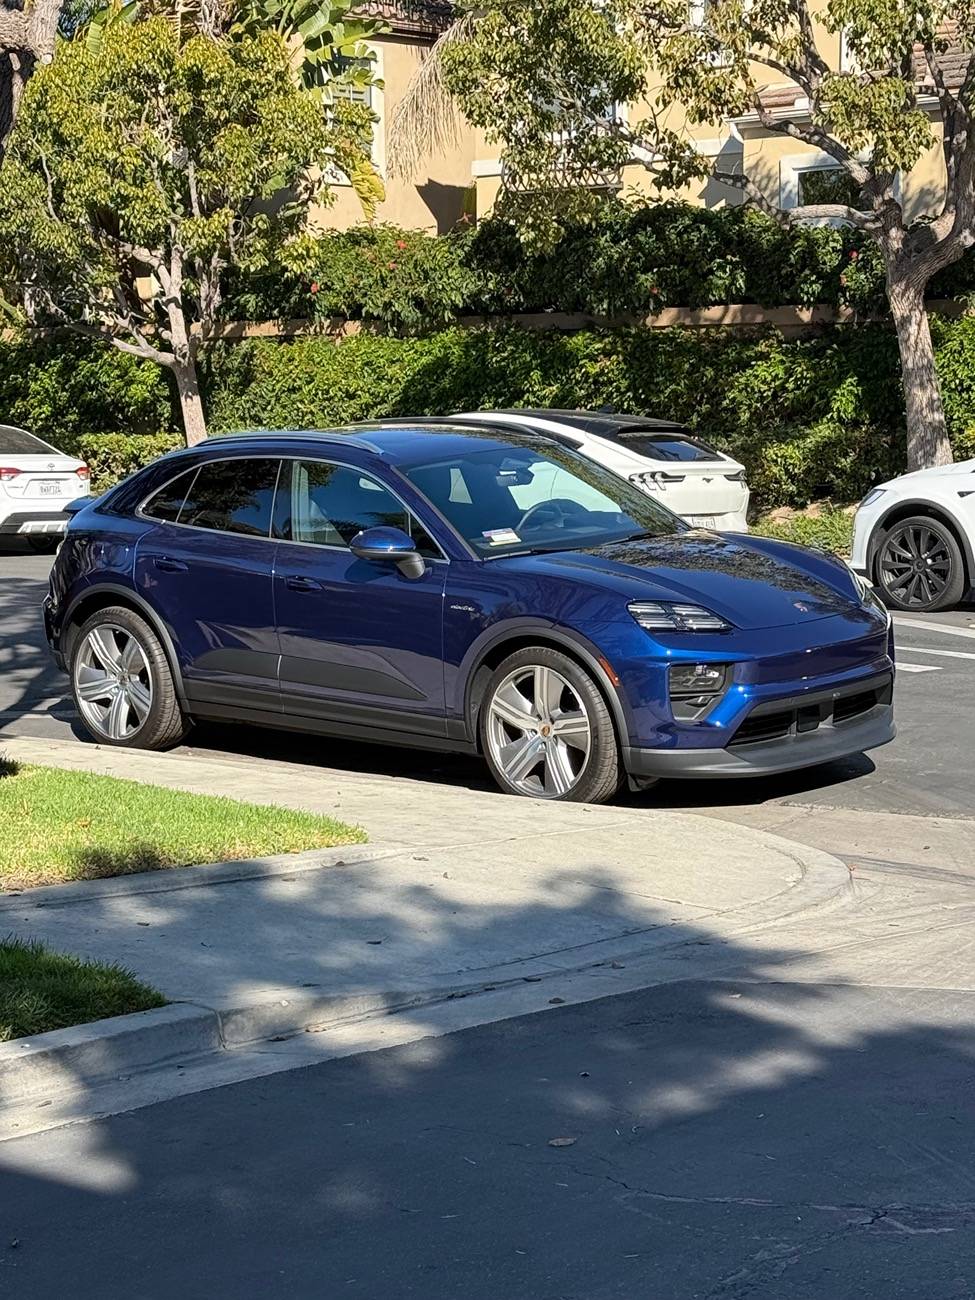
[{"x": 459, "y": 589}]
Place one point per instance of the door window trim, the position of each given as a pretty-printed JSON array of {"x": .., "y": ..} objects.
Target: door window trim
[{"x": 290, "y": 459}]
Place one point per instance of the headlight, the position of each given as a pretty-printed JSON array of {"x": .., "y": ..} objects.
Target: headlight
[
  {"x": 873, "y": 495},
  {"x": 662, "y": 616}
]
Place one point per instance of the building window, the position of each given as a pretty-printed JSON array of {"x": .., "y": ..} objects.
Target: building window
[
  {"x": 373, "y": 96},
  {"x": 827, "y": 185}
]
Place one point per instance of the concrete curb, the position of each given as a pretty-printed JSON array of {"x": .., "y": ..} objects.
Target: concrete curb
[
  {"x": 168, "y": 880},
  {"x": 44, "y": 1065}
]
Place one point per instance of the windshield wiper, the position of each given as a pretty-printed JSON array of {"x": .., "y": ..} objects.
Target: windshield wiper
[{"x": 644, "y": 536}]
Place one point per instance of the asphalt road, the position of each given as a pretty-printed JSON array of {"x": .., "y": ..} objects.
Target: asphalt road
[{"x": 714, "y": 1141}]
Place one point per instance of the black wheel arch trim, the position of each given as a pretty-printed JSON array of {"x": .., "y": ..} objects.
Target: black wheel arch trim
[
  {"x": 939, "y": 513},
  {"x": 577, "y": 647},
  {"x": 141, "y": 607}
]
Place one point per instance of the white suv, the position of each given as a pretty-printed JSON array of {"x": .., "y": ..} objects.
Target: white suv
[
  {"x": 914, "y": 537},
  {"x": 36, "y": 483},
  {"x": 703, "y": 486}
]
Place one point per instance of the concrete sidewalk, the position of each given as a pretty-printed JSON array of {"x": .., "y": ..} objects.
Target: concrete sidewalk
[{"x": 459, "y": 891}]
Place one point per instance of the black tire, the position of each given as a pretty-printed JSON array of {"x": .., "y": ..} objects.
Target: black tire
[
  {"x": 165, "y": 724},
  {"x": 919, "y": 566},
  {"x": 44, "y": 543},
  {"x": 597, "y": 777}
]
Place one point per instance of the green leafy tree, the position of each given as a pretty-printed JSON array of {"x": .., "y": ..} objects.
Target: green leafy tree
[
  {"x": 142, "y": 171},
  {"x": 543, "y": 78}
]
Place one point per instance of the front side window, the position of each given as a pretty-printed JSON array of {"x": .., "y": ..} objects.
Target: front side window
[
  {"x": 330, "y": 504},
  {"x": 510, "y": 499},
  {"x": 232, "y": 496}
]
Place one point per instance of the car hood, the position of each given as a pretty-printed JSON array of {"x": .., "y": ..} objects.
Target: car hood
[
  {"x": 753, "y": 584},
  {"x": 960, "y": 469}
]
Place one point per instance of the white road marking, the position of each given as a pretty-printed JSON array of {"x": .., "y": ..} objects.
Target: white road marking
[
  {"x": 943, "y": 628},
  {"x": 944, "y": 654},
  {"x": 919, "y": 668}
]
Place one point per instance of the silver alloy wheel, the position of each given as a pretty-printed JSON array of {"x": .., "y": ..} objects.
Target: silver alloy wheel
[
  {"x": 538, "y": 732},
  {"x": 112, "y": 682},
  {"x": 915, "y": 565}
]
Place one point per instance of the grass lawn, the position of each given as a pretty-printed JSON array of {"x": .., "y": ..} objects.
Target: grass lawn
[
  {"x": 41, "y": 990},
  {"x": 58, "y": 825}
]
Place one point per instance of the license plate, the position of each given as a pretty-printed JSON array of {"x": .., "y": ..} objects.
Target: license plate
[
  {"x": 51, "y": 489},
  {"x": 701, "y": 521}
]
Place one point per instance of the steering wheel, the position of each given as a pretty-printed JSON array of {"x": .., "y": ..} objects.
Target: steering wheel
[{"x": 560, "y": 507}]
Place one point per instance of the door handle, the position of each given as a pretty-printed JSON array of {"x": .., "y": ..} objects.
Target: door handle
[
  {"x": 169, "y": 565},
  {"x": 297, "y": 583}
]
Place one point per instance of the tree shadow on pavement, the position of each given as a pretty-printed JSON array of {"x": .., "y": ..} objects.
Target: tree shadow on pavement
[
  {"x": 733, "y": 1130},
  {"x": 30, "y": 680}
]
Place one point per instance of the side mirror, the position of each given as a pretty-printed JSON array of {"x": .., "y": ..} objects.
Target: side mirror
[
  {"x": 79, "y": 503},
  {"x": 390, "y": 544}
]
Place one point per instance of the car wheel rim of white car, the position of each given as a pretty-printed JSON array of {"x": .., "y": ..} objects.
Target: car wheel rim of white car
[
  {"x": 112, "y": 682},
  {"x": 539, "y": 732},
  {"x": 916, "y": 565}
]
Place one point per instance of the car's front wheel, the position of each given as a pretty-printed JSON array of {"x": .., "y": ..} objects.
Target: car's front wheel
[
  {"x": 920, "y": 567},
  {"x": 122, "y": 683},
  {"x": 546, "y": 730}
]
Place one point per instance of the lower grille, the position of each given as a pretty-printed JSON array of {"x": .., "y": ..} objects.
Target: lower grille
[{"x": 781, "y": 718}]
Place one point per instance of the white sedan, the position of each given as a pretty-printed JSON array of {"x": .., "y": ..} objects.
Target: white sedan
[
  {"x": 703, "y": 486},
  {"x": 36, "y": 483},
  {"x": 914, "y": 537}
]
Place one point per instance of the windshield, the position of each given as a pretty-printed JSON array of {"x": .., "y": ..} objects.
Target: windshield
[
  {"x": 18, "y": 442},
  {"x": 515, "y": 499}
]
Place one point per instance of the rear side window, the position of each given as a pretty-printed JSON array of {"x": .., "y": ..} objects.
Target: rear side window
[
  {"x": 667, "y": 446},
  {"x": 168, "y": 501},
  {"x": 232, "y": 496},
  {"x": 18, "y": 442}
]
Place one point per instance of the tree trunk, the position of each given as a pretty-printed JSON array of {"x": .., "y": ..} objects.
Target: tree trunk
[
  {"x": 27, "y": 38},
  {"x": 190, "y": 401},
  {"x": 927, "y": 430}
]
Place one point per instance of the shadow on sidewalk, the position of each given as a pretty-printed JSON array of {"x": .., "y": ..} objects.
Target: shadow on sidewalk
[{"x": 732, "y": 1135}]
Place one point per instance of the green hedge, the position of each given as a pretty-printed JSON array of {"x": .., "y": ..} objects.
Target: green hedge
[
  {"x": 64, "y": 386},
  {"x": 113, "y": 456},
  {"x": 632, "y": 258},
  {"x": 811, "y": 418}
]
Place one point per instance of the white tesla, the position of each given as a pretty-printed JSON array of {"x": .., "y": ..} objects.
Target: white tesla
[{"x": 914, "y": 537}]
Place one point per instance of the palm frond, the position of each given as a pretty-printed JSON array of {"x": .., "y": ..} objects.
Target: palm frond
[{"x": 426, "y": 120}]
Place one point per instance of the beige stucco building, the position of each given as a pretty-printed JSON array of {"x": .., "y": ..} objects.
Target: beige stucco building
[
  {"x": 466, "y": 177},
  {"x": 436, "y": 199}
]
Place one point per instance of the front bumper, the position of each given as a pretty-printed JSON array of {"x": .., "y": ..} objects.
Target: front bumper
[{"x": 794, "y": 732}]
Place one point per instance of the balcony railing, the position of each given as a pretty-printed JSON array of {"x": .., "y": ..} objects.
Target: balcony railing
[{"x": 423, "y": 18}]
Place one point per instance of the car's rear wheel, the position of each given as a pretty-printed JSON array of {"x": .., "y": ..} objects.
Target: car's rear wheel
[
  {"x": 546, "y": 731},
  {"x": 920, "y": 566},
  {"x": 122, "y": 683}
]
